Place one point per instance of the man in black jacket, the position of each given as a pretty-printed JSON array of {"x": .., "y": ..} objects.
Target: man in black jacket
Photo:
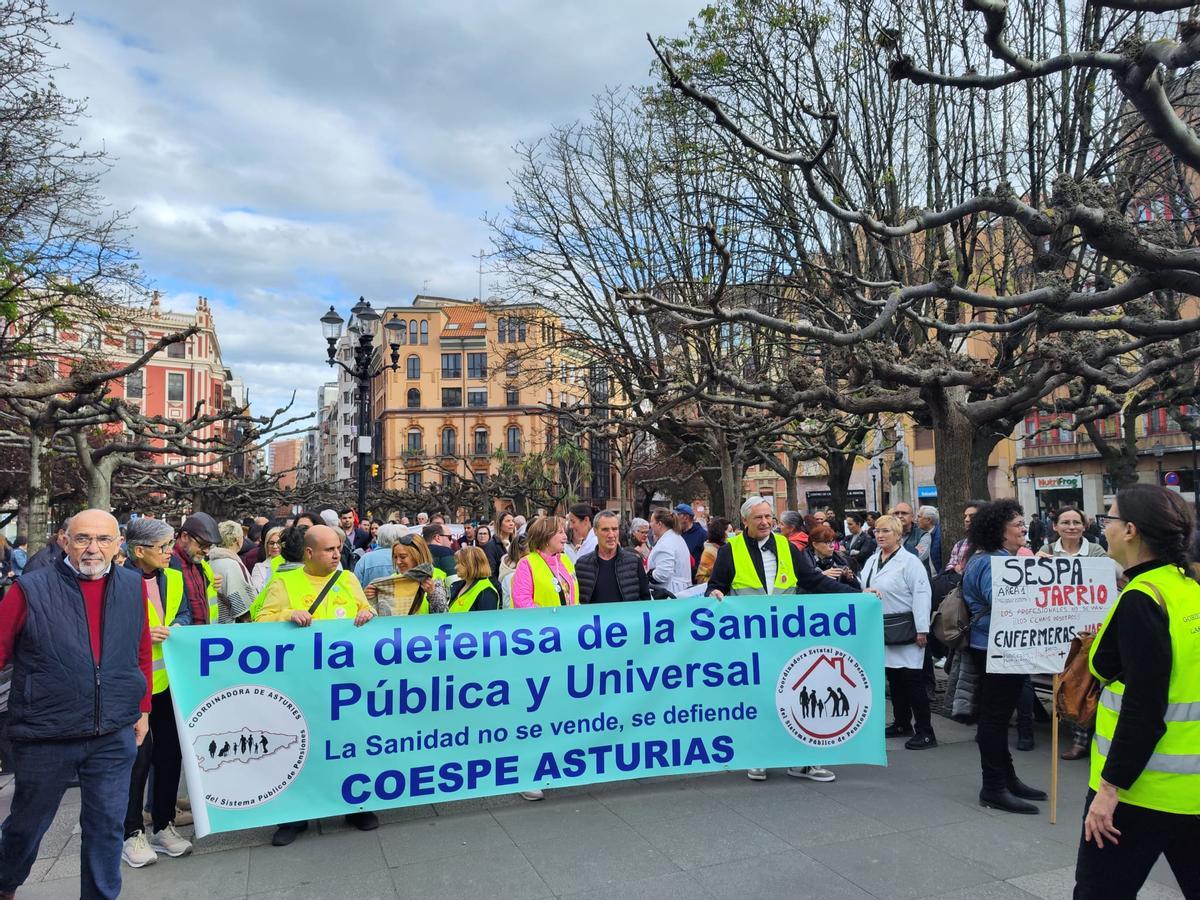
[{"x": 610, "y": 573}]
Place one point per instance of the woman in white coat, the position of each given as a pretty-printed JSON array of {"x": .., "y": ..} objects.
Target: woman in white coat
[{"x": 900, "y": 580}]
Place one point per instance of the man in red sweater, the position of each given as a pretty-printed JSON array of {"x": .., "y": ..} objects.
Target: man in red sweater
[{"x": 78, "y": 638}]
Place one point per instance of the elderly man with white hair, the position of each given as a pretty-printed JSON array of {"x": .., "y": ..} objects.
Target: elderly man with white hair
[
  {"x": 929, "y": 547},
  {"x": 759, "y": 561}
]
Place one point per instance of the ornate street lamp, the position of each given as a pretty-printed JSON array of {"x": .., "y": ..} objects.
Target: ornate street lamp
[{"x": 362, "y": 319}]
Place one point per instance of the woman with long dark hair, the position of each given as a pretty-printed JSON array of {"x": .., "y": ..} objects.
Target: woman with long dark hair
[
  {"x": 1144, "y": 789},
  {"x": 998, "y": 529}
]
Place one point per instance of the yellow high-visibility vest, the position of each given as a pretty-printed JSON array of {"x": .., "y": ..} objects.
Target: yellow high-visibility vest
[
  {"x": 464, "y": 601},
  {"x": 1170, "y": 782},
  {"x": 214, "y": 609},
  {"x": 173, "y": 579},
  {"x": 546, "y": 589},
  {"x": 745, "y": 576}
]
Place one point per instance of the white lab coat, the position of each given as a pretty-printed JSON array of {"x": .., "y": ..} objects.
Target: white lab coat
[
  {"x": 904, "y": 585},
  {"x": 670, "y": 563}
]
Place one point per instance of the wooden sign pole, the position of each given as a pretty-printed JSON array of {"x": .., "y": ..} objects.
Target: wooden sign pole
[{"x": 1054, "y": 751}]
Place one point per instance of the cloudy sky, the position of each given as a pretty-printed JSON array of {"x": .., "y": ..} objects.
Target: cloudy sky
[{"x": 281, "y": 156}]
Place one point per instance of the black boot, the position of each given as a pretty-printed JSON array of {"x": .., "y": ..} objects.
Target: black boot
[
  {"x": 1018, "y": 788},
  {"x": 1005, "y": 800},
  {"x": 287, "y": 832}
]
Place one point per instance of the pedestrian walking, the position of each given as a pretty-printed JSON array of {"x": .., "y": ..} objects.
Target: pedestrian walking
[{"x": 93, "y": 690}]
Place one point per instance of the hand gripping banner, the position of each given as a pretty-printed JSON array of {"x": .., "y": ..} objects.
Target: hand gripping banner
[{"x": 279, "y": 723}]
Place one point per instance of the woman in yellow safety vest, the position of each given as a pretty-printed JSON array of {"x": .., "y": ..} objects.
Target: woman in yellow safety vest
[
  {"x": 1144, "y": 790},
  {"x": 408, "y": 552},
  {"x": 546, "y": 577},
  {"x": 474, "y": 591}
]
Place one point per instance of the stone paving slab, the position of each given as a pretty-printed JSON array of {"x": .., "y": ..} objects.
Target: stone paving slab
[{"x": 911, "y": 830}]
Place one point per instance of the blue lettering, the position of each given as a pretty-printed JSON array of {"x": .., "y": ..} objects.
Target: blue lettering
[{"x": 214, "y": 650}]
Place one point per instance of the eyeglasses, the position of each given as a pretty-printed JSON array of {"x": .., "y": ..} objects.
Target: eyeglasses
[
  {"x": 84, "y": 540},
  {"x": 1017, "y": 523},
  {"x": 1103, "y": 520}
]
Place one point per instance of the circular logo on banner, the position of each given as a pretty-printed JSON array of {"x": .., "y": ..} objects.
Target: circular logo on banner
[
  {"x": 250, "y": 743},
  {"x": 823, "y": 696}
]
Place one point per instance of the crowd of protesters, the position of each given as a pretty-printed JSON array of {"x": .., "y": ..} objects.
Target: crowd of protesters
[{"x": 309, "y": 567}]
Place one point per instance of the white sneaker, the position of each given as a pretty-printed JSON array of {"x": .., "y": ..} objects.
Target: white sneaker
[
  {"x": 533, "y": 795},
  {"x": 170, "y": 842},
  {"x": 812, "y": 773},
  {"x": 137, "y": 852},
  {"x": 756, "y": 774}
]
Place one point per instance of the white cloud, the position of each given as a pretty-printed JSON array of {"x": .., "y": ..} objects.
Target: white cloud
[{"x": 280, "y": 157}]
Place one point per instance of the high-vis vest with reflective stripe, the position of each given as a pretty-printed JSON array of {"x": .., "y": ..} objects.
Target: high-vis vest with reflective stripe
[
  {"x": 339, "y": 602},
  {"x": 214, "y": 609},
  {"x": 745, "y": 576},
  {"x": 257, "y": 603},
  {"x": 546, "y": 589},
  {"x": 464, "y": 601},
  {"x": 171, "y": 602},
  {"x": 1171, "y": 780}
]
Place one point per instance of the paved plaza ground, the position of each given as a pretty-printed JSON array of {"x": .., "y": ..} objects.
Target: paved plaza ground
[{"x": 913, "y": 829}]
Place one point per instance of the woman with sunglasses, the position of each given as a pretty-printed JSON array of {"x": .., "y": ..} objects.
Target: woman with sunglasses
[
  {"x": 409, "y": 552},
  {"x": 1143, "y": 796}
]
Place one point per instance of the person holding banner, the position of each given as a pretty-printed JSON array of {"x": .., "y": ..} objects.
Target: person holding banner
[
  {"x": 319, "y": 591},
  {"x": 1143, "y": 799},
  {"x": 898, "y": 578},
  {"x": 998, "y": 529},
  {"x": 150, "y": 542}
]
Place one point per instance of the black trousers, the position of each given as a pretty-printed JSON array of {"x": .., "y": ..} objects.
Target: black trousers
[
  {"x": 1118, "y": 871},
  {"x": 998, "y": 696},
  {"x": 909, "y": 701},
  {"x": 160, "y": 748}
]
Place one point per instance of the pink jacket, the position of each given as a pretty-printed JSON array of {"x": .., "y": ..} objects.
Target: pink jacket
[{"x": 522, "y": 584}]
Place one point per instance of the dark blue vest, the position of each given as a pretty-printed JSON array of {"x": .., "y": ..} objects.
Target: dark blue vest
[{"x": 58, "y": 692}]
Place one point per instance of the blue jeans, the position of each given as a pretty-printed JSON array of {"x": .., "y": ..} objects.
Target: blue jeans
[{"x": 43, "y": 771}]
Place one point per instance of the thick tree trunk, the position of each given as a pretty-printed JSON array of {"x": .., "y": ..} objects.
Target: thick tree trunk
[
  {"x": 954, "y": 459},
  {"x": 38, "y": 493},
  {"x": 841, "y": 467}
]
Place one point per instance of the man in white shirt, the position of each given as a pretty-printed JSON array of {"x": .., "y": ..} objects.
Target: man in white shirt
[{"x": 670, "y": 562}]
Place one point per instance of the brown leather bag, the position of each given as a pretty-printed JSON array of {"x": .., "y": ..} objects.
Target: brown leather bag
[
  {"x": 1078, "y": 689},
  {"x": 1078, "y": 692}
]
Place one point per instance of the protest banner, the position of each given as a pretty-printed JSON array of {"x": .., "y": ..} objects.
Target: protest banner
[
  {"x": 1039, "y": 604},
  {"x": 280, "y": 723}
]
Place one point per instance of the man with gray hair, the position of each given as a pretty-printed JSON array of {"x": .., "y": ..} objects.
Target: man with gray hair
[
  {"x": 930, "y": 523},
  {"x": 610, "y": 573},
  {"x": 378, "y": 563},
  {"x": 758, "y": 561}
]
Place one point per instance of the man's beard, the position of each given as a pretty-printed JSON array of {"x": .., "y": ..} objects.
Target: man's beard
[{"x": 93, "y": 567}]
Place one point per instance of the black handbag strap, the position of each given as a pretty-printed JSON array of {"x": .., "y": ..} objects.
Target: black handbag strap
[{"x": 325, "y": 590}]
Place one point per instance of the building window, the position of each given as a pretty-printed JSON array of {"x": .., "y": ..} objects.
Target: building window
[
  {"x": 412, "y": 331},
  {"x": 401, "y": 332},
  {"x": 175, "y": 387},
  {"x": 345, "y": 440},
  {"x": 452, "y": 365},
  {"x": 90, "y": 337},
  {"x": 512, "y": 440},
  {"x": 414, "y": 440},
  {"x": 477, "y": 365},
  {"x": 481, "y": 478},
  {"x": 502, "y": 330},
  {"x": 520, "y": 323},
  {"x": 414, "y": 482},
  {"x": 1047, "y": 429},
  {"x": 424, "y": 331},
  {"x": 477, "y": 397},
  {"x": 449, "y": 439},
  {"x": 414, "y": 398},
  {"x": 922, "y": 438},
  {"x": 447, "y": 479},
  {"x": 512, "y": 397},
  {"x": 135, "y": 385},
  {"x": 413, "y": 370},
  {"x": 135, "y": 342},
  {"x": 481, "y": 442},
  {"x": 451, "y": 397},
  {"x": 510, "y": 365},
  {"x": 178, "y": 350}
]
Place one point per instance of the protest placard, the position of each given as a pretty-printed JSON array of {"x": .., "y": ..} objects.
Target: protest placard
[
  {"x": 280, "y": 723},
  {"x": 1039, "y": 604}
]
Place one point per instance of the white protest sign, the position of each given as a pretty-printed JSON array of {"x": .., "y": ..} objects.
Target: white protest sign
[{"x": 1039, "y": 604}]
